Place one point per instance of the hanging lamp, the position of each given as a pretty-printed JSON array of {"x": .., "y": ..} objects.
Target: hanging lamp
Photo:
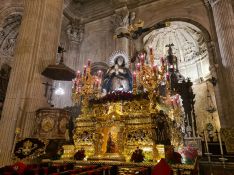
[{"x": 59, "y": 71}]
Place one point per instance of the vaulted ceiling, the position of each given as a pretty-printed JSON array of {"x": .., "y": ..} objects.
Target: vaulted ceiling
[{"x": 189, "y": 47}]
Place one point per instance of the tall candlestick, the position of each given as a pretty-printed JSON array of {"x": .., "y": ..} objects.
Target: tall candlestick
[
  {"x": 168, "y": 76},
  {"x": 134, "y": 77},
  {"x": 138, "y": 66},
  {"x": 142, "y": 59},
  {"x": 155, "y": 69},
  {"x": 85, "y": 70},
  {"x": 207, "y": 147},
  {"x": 220, "y": 144},
  {"x": 78, "y": 74}
]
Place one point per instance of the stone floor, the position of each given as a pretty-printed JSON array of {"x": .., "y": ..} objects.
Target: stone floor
[{"x": 216, "y": 167}]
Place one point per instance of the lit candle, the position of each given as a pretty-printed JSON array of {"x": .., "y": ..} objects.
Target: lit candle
[
  {"x": 207, "y": 148},
  {"x": 167, "y": 76},
  {"x": 220, "y": 143},
  {"x": 85, "y": 70},
  {"x": 142, "y": 59},
  {"x": 78, "y": 74},
  {"x": 89, "y": 62},
  {"x": 155, "y": 69},
  {"x": 99, "y": 73},
  {"x": 134, "y": 77},
  {"x": 138, "y": 66}
]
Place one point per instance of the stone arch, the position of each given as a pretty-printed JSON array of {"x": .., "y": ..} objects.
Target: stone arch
[
  {"x": 201, "y": 89},
  {"x": 10, "y": 20},
  {"x": 17, "y": 10},
  {"x": 205, "y": 32}
]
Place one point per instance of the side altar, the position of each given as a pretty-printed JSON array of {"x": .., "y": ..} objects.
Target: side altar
[{"x": 125, "y": 112}]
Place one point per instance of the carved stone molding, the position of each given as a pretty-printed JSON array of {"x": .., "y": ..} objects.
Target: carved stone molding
[
  {"x": 8, "y": 36},
  {"x": 120, "y": 18},
  {"x": 75, "y": 32},
  {"x": 212, "y": 2}
]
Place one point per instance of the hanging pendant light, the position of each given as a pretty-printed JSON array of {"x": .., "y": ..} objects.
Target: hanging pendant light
[{"x": 59, "y": 71}]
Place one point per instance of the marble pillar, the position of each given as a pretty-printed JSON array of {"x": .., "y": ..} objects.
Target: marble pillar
[
  {"x": 36, "y": 47},
  {"x": 224, "y": 25},
  {"x": 121, "y": 23}
]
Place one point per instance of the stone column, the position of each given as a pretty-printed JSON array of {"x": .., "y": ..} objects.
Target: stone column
[
  {"x": 36, "y": 48},
  {"x": 74, "y": 33},
  {"x": 224, "y": 24},
  {"x": 121, "y": 23}
]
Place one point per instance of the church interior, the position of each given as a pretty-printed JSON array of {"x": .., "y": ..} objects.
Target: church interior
[{"x": 114, "y": 87}]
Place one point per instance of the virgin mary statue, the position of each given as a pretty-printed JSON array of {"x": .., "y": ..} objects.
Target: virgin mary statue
[{"x": 118, "y": 77}]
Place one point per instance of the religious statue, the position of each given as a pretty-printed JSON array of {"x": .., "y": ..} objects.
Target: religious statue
[
  {"x": 118, "y": 77},
  {"x": 110, "y": 147},
  {"x": 137, "y": 155},
  {"x": 162, "y": 129}
]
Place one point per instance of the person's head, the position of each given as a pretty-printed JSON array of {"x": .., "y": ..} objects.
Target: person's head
[{"x": 120, "y": 61}]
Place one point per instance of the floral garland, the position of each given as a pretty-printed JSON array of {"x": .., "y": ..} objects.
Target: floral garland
[{"x": 118, "y": 96}]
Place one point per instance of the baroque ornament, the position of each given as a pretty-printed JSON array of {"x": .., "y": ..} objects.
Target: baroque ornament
[{"x": 112, "y": 125}]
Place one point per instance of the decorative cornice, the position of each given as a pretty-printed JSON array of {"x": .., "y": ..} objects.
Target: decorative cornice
[
  {"x": 213, "y": 2},
  {"x": 75, "y": 32}
]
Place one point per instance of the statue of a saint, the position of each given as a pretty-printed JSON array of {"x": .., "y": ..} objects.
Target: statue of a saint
[
  {"x": 110, "y": 147},
  {"x": 118, "y": 77}
]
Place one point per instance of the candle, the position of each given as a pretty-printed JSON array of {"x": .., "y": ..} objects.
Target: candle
[
  {"x": 74, "y": 85},
  {"x": 168, "y": 76},
  {"x": 155, "y": 69},
  {"x": 138, "y": 66},
  {"x": 78, "y": 74},
  {"x": 85, "y": 70},
  {"x": 142, "y": 59},
  {"x": 134, "y": 77},
  {"x": 207, "y": 148},
  {"x": 89, "y": 62},
  {"x": 220, "y": 144},
  {"x": 99, "y": 73}
]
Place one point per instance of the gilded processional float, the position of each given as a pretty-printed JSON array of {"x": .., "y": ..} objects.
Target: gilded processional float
[{"x": 125, "y": 110}]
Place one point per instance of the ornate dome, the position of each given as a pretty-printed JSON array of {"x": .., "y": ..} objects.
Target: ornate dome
[{"x": 189, "y": 47}]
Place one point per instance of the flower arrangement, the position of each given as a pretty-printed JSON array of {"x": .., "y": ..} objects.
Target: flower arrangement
[
  {"x": 117, "y": 96},
  {"x": 80, "y": 155},
  {"x": 189, "y": 154},
  {"x": 172, "y": 157}
]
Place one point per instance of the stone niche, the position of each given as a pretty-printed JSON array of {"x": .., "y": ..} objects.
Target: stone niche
[{"x": 51, "y": 123}]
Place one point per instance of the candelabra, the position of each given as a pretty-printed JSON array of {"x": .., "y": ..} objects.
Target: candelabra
[
  {"x": 86, "y": 86},
  {"x": 149, "y": 76}
]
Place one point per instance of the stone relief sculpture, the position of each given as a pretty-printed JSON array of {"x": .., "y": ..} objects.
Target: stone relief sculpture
[{"x": 75, "y": 32}]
